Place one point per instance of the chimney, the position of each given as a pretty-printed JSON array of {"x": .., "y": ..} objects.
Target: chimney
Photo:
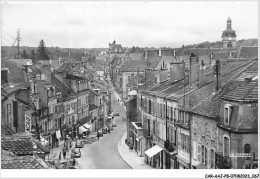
[
  {"x": 160, "y": 52},
  {"x": 194, "y": 68},
  {"x": 176, "y": 71},
  {"x": 202, "y": 79},
  {"x": 217, "y": 75},
  {"x": 5, "y": 75},
  {"x": 174, "y": 54}
]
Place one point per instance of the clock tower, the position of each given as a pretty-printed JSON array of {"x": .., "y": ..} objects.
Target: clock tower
[{"x": 229, "y": 36}]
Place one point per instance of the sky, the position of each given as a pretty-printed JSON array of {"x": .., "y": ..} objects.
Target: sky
[{"x": 146, "y": 24}]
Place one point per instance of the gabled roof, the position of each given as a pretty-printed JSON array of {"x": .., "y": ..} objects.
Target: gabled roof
[
  {"x": 26, "y": 162},
  {"x": 136, "y": 55},
  {"x": 17, "y": 71},
  {"x": 8, "y": 89},
  {"x": 5, "y": 130},
  {"x": 247, "y": 92},
  {"x": 22, "y": 146},
  {"x": 60, "y": 87},
  {"x": 92, "y": 106},
  {"x": 134, "y": 66},
  {"x": 210, "y": 107}
]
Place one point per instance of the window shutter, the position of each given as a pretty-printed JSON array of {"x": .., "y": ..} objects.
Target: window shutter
[
  {"x": 212, "y": 132},
  {"x": 203, "y": 129},
  {"x": 209, "y": 161},
  {"x": 199, "y": 153},
  {"x": 230, "y": 113},
  {"x": 179, "y": 140},
  {"x": 194, "y": 150}
]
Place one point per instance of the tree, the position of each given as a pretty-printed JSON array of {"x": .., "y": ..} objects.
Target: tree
[
  {"x": 33, "y": 56},
  {"x": 24, "y": 54},
  {"x": 42, "y": 53}
]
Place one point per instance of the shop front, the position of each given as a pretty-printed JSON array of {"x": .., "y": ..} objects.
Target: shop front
[
  {"x": 138, "y": 141},
  {"x": 182, "y": 162},
  {"x": 154, "y": 156}
]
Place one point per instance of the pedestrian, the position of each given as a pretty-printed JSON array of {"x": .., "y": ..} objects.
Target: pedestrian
[
  {"x": 64, "y": 155},
  {"x": 73, "y": 162},
  {"x": 109, "y": 130},
  {"x": 98, "y": 135},
  {"x": 60, "y": 156}
]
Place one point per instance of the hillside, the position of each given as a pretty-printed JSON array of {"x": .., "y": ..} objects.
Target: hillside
[
  {"x": 217, "y": 44},
  {"x": 77, "y": 53},
  {"x": 54, "y": 52}
]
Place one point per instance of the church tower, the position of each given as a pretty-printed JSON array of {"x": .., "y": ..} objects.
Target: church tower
[{"x": 228, "y": 36}]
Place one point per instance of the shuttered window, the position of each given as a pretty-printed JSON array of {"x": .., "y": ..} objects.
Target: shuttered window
[{"x": 199, "y": 154}]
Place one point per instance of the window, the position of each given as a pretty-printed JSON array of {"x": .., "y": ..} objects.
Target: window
[
  {"x": 247, "y": 150},
  {"x": 153, "y": 127},
  {"x": 212, "y": 132},
  {"x": 212, "y": 154},
  {"x": 206, "y": 156},
  {"x": 185, "y": 143},
  {"x": 195, "y": 126},
  {"x": 179, "y": 140},
  {"x": 182, "y": 141},
  {"x": 171, "y": 113},
  {"x": 188, "y": 144},
  {"x": 203, "y": 129},
  {"x": 161, "y": 110},
  {"x": 164, "y": 110},
  {"x": 227, "y": 113},
  {"x": 202, "y": 154},
  {"x": 199, "y": 154},
  {"x": 226, "y": 146}
]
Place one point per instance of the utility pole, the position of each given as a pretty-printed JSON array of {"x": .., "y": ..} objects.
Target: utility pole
[{"x": 18, "y": 42}]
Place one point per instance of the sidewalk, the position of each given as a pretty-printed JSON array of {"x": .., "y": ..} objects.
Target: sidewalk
[
  {"x": 54, "y": 153},
  {"x": 118, "y": 98},
  {"x": 130, "y": 156}
]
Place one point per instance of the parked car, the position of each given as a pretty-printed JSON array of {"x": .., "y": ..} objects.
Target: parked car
[
  {"x": 79, "y": 144},
  {"x": 76, "y": 152},
  {"x": 117, "y": 114}
]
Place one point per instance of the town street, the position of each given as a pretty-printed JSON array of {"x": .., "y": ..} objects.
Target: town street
[{"x": 103, "y": 154}]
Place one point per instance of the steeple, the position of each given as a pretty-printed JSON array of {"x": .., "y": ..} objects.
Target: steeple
[{"x": 229, "y": 21}]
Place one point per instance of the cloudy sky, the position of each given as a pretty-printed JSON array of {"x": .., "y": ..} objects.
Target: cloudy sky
[{"x": 147, "y": 24}]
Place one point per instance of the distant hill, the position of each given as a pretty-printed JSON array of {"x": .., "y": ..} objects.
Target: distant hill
[
  {"x": 217, "y": 44},
  {"x": 77, "y": 53},
  {"x": 54, "y": 52}
]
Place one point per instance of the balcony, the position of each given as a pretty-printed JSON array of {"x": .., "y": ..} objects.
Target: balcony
[
  {"x": 222, "y": 162},
  {"x": 182, "y": 124},
  {"x": 170, "y": 146},
  {"x": 147, "y": 134}
]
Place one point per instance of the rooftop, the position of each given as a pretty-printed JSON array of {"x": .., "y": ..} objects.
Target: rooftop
[
  {"x": 134, "y": 66},
  {"x": 22, "y": 146},
  {"x": 27, "y": 162}
]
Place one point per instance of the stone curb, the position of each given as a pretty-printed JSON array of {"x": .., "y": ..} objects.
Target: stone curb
[{"x": 120, "y": 153}]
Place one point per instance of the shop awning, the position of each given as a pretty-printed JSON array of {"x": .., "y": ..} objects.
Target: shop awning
[
  {"x": 87, "y": 126},
  {"x": 153, "y": 151},
  {"x": 82, "y": 129}
]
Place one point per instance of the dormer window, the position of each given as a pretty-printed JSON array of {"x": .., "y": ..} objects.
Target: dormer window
[{"x": 227, "y": 113}]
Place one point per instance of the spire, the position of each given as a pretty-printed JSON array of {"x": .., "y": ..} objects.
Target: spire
[{"x": 229, "y": 21}]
